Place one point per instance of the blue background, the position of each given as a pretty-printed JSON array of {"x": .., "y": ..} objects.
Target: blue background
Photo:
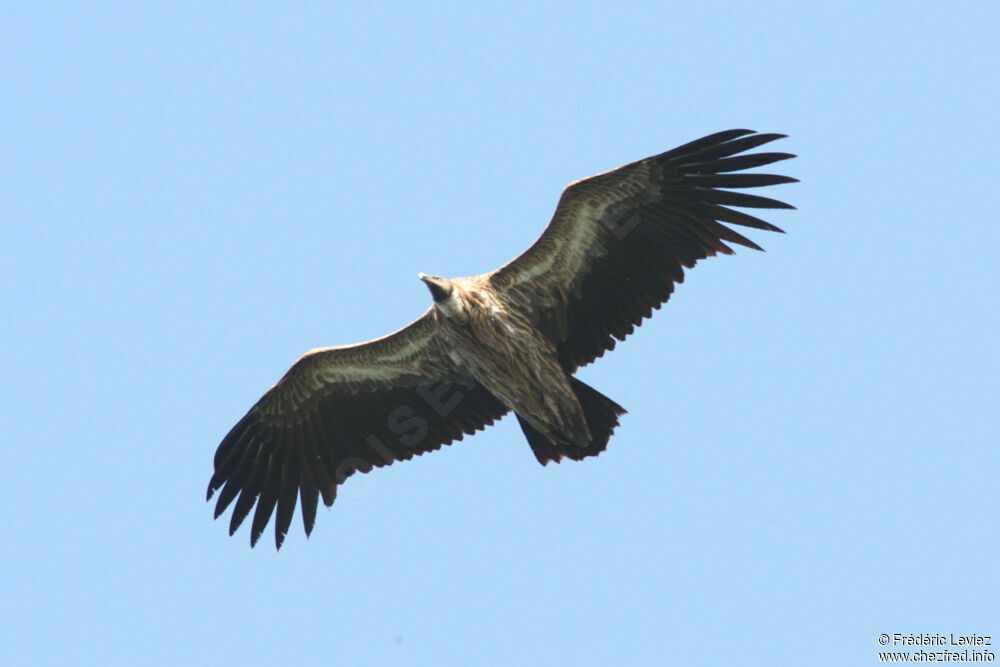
[{"x": 192, "y": 196}]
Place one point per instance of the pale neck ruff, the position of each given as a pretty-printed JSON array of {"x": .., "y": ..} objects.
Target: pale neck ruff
[{"x": 452, "y": 307}]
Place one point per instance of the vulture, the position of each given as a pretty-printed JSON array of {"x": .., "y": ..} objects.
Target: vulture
[{"x": 505, "y": 341}]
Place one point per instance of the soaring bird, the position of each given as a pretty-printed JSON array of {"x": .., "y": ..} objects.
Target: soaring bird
[{"x": 508, "y": 340}]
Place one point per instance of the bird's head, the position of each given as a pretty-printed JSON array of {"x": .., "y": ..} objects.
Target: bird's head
[
  {"x": 446, "y": 297},
  {"x": 441, "y": 288}
]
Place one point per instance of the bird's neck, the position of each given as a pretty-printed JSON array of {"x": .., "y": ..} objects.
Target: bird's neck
[{"x": 453, "y": 307}]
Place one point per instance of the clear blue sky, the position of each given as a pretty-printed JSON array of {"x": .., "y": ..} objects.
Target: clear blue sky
[{"x": 192, "y": 196}]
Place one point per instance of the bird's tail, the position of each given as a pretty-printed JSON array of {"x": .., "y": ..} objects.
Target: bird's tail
[{"x": 601, "y": 414}]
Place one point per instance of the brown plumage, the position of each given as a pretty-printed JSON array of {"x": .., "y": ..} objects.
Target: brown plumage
[{"x": 502, "y": 341}]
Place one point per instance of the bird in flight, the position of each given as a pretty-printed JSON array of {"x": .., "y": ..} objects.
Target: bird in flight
[{"x": 508, "y": 340}]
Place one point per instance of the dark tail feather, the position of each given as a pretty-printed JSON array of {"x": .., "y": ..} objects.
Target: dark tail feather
[
  {"x": 601, "y": 414},
  {"x": 544, "y": 450}
]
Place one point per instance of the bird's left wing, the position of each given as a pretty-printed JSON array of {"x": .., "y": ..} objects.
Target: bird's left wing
[
  {"x": 339, "y": 410},
  {"x": 619, "y": 241}
]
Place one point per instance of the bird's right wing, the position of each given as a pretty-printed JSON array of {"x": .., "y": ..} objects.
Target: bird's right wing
[{"x": 339, "y": 410}]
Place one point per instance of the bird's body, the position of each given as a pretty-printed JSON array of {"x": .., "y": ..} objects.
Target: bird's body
[
  {"x": 508, "y": 340},
  {"x": 506, "y": 354}
]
